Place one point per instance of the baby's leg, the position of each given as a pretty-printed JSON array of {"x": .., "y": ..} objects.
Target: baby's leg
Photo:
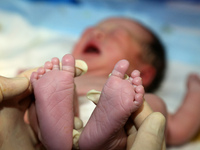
[
  {"x": 54, "y": 90},
  {"x": 119, "y": 99}
]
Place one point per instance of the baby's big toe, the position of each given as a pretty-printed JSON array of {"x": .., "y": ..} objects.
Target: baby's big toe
[
  {"x": 120, "y": 69},
  {"x": 68, "y": 63}
]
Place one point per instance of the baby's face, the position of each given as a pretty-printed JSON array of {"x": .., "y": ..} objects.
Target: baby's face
[{"x": 114, "y": 39}]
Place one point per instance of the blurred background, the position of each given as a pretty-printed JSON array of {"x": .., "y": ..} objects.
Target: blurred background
[{"x": 33, "y": 31}]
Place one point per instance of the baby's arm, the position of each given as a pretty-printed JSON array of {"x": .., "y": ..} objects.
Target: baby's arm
[{"x": 185, "y": 123}]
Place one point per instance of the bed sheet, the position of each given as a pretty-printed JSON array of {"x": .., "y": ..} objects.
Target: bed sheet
[{"x": 31, "y": 33}]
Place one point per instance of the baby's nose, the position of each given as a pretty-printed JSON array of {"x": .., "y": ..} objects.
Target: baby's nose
[{"x": 98, "y": 34}]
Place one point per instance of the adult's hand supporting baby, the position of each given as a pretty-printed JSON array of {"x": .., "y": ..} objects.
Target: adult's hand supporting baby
[
  {"x": 150, "y": 134},
  {"x": 14, "y": 132},
  {"x": 148, "y": 130}
]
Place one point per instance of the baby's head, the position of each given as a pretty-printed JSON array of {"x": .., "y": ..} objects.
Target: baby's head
[{"x": 113, "y": 39}]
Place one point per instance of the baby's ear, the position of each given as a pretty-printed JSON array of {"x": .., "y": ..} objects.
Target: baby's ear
[{"x": 148, "y": 73}]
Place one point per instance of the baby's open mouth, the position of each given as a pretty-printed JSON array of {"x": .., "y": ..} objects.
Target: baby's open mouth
[{"x": 91, "y": 49}]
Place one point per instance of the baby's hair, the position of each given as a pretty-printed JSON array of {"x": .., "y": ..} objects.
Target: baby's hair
[{"x": 154, "y": 54}]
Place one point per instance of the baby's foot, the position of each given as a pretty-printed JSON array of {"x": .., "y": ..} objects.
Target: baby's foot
[
  {"x": 119, "y": 99},
  {"x": 54, "y": 89}
]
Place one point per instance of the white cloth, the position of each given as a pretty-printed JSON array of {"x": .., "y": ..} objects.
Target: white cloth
[{"x": 86, "y": 108}]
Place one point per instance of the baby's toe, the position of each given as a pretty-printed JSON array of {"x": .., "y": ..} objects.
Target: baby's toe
[
  {"x": 138, "y": 99},
  {"x": 68, "y": 63},
  {"x": 48, "y": 66},
  {"x": 34, "y": 77},
  {"x": 139, "y": 94},
  {"x": 41, "y": 71},
  {"x": 137, "y": 81},
  {"x": 139, "y": 89},
  {"x": 135, "y": 73},
  {"x": 56, "y": 63}
]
